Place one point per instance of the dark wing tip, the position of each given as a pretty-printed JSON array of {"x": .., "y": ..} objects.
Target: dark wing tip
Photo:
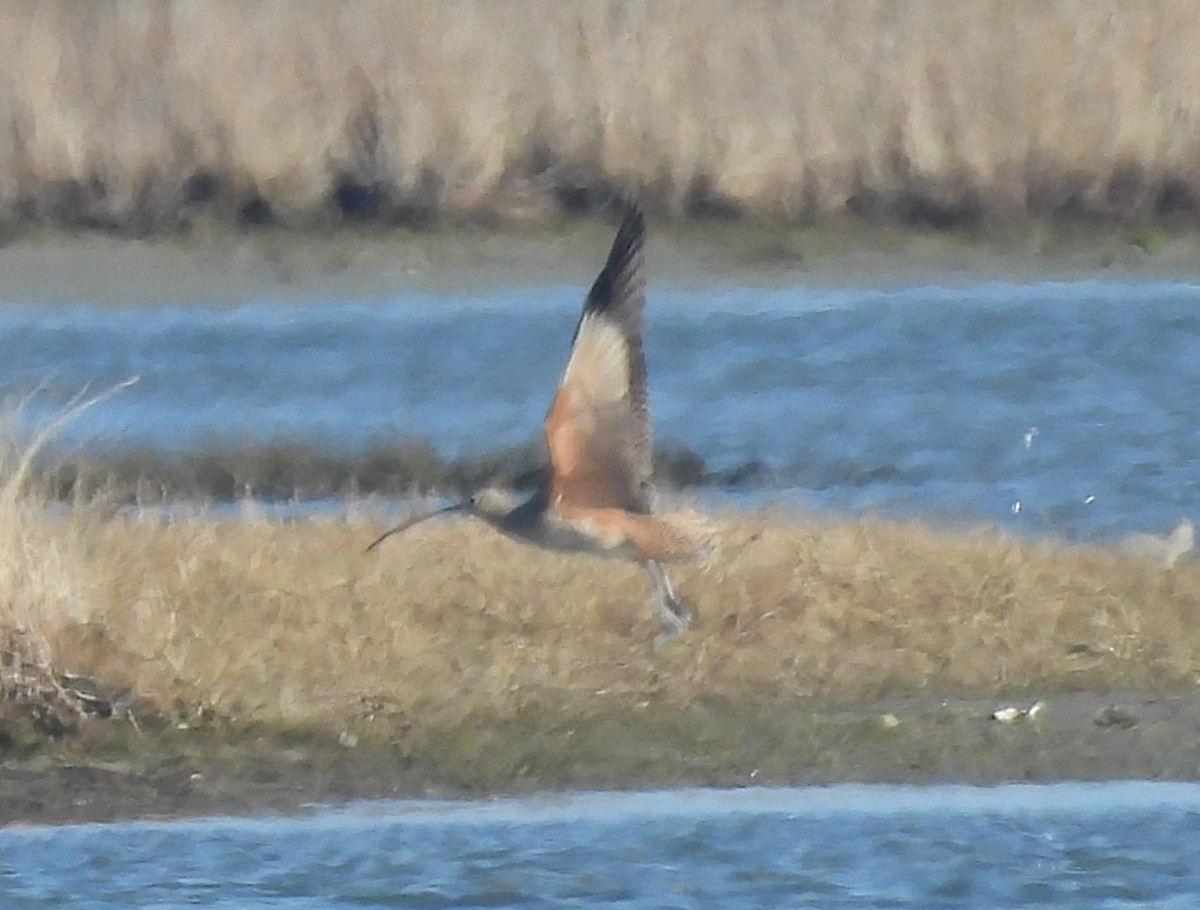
[
  {"x": 631, "y": 235},
  {"x": 619, "y": 286}
]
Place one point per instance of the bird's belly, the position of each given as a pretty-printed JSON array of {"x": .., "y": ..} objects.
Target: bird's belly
[{"x": 582, "y": 536}]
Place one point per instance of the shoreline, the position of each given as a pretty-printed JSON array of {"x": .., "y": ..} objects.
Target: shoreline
[
  {"x": 117, "y": 775},
  {"x": 234, "y": 268}
]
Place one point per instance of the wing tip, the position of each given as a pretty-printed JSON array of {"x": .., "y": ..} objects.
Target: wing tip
[
  {"x": 632, "y": 232},
  {"x": 622, "y": 270}
]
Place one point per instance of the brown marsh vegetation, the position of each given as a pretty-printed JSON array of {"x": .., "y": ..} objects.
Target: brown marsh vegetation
[
  {"x": 291, "y": 622},
  {"x": 281, "y": 470},
  {"x": 143, "y": 116}
]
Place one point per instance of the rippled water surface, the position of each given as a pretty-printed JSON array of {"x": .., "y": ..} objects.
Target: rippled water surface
[
  {"x": 1062, "y": 846},
  {"x": 1067, "y": 408}
]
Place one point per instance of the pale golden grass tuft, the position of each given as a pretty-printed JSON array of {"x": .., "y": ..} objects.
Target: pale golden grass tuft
[
  {"x": 292, "y": 622},
  {"x": 44, "y": 585},
  {"x": 1166, "y": 550}
]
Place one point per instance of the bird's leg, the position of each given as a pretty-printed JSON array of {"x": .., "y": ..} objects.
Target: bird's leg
[{"x": 671, "y": 610}]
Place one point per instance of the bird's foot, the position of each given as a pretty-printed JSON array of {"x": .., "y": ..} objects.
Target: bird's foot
[{"x": 675, "y": 616}]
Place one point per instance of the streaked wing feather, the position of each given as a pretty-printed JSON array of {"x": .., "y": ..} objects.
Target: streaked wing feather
[{"x": 598, "y": 428}]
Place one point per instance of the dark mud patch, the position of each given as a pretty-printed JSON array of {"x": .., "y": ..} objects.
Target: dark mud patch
[{"x": 106, "y": 768}]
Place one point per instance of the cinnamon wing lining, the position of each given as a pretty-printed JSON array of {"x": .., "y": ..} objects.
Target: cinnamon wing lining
[{"x": 597, "y": 428}]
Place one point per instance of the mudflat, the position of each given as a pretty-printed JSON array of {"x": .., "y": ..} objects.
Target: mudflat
[
  {"x": 229, "y": 268},
  {"x": 910, "y": 739}
]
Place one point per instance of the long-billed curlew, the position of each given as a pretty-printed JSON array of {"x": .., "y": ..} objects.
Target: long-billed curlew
[{"x": 597, "y": 495}]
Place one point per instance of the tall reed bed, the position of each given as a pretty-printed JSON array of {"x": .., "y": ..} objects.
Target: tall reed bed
[{"x": 148, "y": 115}]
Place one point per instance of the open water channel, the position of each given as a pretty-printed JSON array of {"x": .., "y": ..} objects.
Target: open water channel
[
  {"x": 1058, "y": 846},
  {"x": 1063, "y": 408}
]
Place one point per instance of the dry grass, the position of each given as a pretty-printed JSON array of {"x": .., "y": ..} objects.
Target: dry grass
[
  {"x": 292, "y": 622},
  {"x": 42, "y": 576},
  {"x": 151, "y": 114}
]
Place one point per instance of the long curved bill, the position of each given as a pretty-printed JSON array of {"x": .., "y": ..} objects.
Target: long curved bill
[{"x": 415, "y": 520}]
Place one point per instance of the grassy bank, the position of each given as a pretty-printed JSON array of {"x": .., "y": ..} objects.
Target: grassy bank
[
  {"x": 292, "y": 623},
  {"x": 196, "y": 665},
  {"x": 145, "y": 116}
]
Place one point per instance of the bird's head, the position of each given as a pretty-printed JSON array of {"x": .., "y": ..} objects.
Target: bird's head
[{"x": 489, "y": 504}]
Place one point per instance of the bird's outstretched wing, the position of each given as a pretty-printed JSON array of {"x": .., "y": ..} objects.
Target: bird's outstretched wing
[{"x": 598, "y": 428}]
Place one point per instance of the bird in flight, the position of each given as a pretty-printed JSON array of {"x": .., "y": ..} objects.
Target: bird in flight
[{"x": 597, "y": 497}]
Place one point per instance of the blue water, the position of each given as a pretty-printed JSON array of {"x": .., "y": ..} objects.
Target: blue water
[
  {"x": 1061, "y": 846},
  {"x": 1061, "y": 408}
]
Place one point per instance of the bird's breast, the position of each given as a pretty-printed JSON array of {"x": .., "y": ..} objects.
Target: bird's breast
[{"x": 581, "y": 535}]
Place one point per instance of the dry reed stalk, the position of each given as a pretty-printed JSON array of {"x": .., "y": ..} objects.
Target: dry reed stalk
[{"x": 145, "y": 115}]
